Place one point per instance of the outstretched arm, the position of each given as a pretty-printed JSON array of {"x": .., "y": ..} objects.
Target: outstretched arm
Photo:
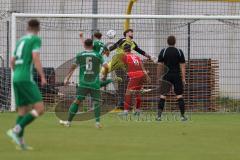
[{"x": 140, "y": 51}]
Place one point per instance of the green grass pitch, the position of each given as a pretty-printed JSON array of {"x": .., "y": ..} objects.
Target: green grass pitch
[{"x": 206, "y": 137}]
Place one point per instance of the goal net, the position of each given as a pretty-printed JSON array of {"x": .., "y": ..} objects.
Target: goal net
[{"x": 209, "y": 43}]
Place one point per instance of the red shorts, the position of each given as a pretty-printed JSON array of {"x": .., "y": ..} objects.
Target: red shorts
[{"x": 135, "y": 83}]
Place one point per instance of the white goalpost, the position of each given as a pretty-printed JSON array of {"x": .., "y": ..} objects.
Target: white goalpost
[{"x": 202, "y": 37}]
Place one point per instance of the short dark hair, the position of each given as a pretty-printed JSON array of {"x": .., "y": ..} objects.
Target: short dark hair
[
  {"x": 97, "y": 35},
  {"x": 88, "y": 42},
  {"x": 127, "y": 48},
  {"x": 34, "y": 24},
  {"x": 126, "y": 31},
  {"x": 171, "y": 40}
]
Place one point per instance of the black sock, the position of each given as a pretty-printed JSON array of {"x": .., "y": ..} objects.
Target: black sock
[
  {"x": 161, "y": 104},
  {"x": 181, "y": 106}
]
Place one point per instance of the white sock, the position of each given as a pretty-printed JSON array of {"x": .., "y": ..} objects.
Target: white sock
[{"x": 17, "y": 129}]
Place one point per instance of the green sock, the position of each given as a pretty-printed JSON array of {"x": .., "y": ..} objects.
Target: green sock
[
  {"x": 104, "y": 83},
  {"x": 72, "y": 111},
  {"x": 19, "y": 118},
  {"x": 27, "y": 119},
  {"x": 97, "y": 111}
]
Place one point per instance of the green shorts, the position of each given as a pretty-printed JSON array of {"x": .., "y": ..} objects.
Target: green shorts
[
  {"x": 26, "y": 93},
  {"x": 82, "y": 92}
]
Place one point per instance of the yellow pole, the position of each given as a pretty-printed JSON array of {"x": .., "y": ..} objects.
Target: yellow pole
[{"x": 129, "y": 10}]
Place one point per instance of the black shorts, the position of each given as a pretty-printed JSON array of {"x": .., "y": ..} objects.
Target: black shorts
[{"x": 176, "y": 81}]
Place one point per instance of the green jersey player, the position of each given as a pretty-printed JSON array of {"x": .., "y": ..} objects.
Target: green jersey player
[
  {"x": 26, "y": 92},
  {"x": 90, "y": 63},
  {"x": 98, "y": 44},
  {"x": 100, "y": 47}
]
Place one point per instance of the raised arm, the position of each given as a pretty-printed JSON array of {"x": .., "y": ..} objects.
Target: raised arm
[{"x": 81, "y": 38}]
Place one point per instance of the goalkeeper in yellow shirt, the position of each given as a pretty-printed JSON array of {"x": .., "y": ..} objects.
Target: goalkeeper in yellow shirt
[{"x": 116, "y": 61}]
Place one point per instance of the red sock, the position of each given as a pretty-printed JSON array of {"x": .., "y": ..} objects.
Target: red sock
[
  {"x": 127, "y": 102},
  {"x": 138, "y": 101}
]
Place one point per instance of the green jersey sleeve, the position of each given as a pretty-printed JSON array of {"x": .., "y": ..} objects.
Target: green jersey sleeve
[{"x": 36, "y": 45}]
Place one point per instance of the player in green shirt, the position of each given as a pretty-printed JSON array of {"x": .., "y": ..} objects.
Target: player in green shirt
[
  {"x": 98, "y": 44},
  {"x": 100, "y": 47},
  {"x": 26, "y": 92},
  {"x": 90, "y": 63}
]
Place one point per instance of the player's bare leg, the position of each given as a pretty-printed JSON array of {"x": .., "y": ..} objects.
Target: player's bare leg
[
  {"x": 26, "y": 118},
  {"x": 161, "y": 105},
  {"x": 71, "y": 113},
  {"x": 16, "y": 138},
  {"x": 127, "y": 103},
  {"x": 181, "y": 106},
  {"x": 138, "y": 104},
  {"x": 96, "y": 105}
]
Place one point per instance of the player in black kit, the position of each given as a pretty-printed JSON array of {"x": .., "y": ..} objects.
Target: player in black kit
[{"x": 172, "y": 58}]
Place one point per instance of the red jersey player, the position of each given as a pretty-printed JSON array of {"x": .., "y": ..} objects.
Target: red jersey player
[{"x": 137, "y": 75}]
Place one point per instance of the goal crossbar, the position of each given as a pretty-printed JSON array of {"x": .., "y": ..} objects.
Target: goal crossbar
[{"x": 132, "y": 16}]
